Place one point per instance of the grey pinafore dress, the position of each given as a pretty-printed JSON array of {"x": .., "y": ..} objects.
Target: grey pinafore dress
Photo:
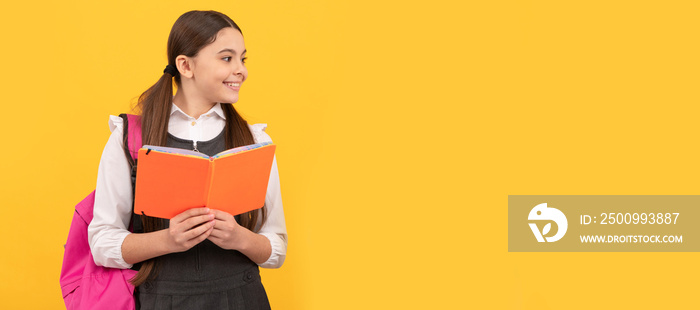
[{"x": 206, "y": 276}]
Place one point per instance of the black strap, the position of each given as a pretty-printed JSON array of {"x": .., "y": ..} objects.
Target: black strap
[{"x": 135, "y": 220}]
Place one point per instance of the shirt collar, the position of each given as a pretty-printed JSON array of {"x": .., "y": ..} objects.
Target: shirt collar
[{"x": 216, "y": 109}]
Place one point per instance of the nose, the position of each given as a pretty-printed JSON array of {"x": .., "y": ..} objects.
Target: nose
[{"x": 240, "y": 71}]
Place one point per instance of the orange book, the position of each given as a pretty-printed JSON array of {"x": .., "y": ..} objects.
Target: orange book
[{"x": 171, "y": 180}]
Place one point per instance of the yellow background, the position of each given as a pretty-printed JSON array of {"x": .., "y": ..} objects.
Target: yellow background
[{"x": 401, "y": 128}]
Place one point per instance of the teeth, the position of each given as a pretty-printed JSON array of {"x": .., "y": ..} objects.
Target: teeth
[{"x": 233, "y": 84}]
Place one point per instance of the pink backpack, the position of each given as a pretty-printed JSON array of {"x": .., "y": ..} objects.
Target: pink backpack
[{"x": 84, "y": 284}]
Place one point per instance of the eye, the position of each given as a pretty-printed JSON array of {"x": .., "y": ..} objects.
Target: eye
[
  {"x": 244, "y": 59},
  {"x": 227, "y": 58}
]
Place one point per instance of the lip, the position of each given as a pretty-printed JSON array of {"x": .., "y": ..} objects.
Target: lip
[{"x": 233, "y": 87}]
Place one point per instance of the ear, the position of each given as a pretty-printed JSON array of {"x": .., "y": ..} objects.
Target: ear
[{"x": 184, "y": 64}]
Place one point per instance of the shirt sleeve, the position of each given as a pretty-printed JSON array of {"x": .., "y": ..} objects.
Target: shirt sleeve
[
  {"x": 113, "y": 199},
  {"x": 275, "y": 228}
]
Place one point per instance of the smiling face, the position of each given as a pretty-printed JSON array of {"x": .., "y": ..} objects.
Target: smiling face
[{"x": 218, "y": 69}]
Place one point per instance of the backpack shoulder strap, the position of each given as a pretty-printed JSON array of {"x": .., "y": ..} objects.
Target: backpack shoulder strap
[
  {"x": 132, "y": 141},
  {"x": 132, "y": 136},
  {"x": 132, "y": 144}
]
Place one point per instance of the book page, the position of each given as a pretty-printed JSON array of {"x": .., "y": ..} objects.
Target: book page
[
  {"x": 173, "y": 150},
  {"x": 240, "y": 149}
]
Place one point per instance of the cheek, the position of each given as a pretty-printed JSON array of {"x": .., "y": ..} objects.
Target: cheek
[
  {"x": 213, "y": 72},
  {"x": 215, "y": 78},
  {"x": 223, "y": 74}
]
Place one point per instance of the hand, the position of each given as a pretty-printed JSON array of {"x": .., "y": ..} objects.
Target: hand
[
  {"x": 227, "y": 234},
  {"x": 189, "y": 228}
]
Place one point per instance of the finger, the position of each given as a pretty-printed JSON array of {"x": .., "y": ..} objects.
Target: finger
[
  {"x": 200, "y": 238},
  {"x": 189, "y": 213},
  {"x": 217, "y": 233},
  {"x": 198, "y": 232},
  {"x": 193, "y": 222},
  {"x": 214, "y": 239},
  {"x": 225, "y": 225},
  {"x": 221, "y": 215}
]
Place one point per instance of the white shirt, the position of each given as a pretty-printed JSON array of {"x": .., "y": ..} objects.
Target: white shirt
[{"x": 114, "y": 196}]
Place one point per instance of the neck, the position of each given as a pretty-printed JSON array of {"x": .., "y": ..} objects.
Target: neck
[{"x": 191, "y": 106}]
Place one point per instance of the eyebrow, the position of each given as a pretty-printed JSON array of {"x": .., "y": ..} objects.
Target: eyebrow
[{"x": 230, "y": 51}]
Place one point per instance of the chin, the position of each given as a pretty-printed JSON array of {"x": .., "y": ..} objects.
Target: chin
[
  {"x": 227, "y": 101},
  {"x": 230, "y": 99}
]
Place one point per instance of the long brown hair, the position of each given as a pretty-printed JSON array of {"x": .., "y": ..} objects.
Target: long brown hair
[{"x": 190, "y": 33}]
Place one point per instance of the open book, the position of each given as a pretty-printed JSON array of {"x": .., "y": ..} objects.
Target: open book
[{"x": 171, "y": 180}]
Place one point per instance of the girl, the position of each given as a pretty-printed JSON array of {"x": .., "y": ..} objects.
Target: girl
[{"x": 201, "y": 258}]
